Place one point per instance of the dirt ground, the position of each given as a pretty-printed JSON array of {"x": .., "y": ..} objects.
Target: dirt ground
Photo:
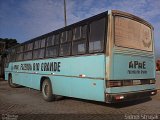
[{"x": 25, "y": 103}]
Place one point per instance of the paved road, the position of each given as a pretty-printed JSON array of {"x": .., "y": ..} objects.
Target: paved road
[{"x": 24, "y": 102}]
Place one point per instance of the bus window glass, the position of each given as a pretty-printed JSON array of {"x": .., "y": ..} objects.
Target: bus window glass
[
  {"x": 19, "y": 57},
  {"x": 50, "y": 41},
  {"x": 132, "y": 34},
  {"x": 13, "y": 55},
  {"x": 63, "y": 37},
  {"x": 69, "y": 35},
  {"x": 65, "y": 49},
  {"x": 38, "y": 53},
  {"x": 28, "y": 47},
  {"x": 52, "y": 51},
  {"x": 19, "y": 49},
  {"x": 79, "y": 47},
  {"x": 37, "y": 44},
  {"x": 43, "y": 42},
  {"x": 28, "y": 55},
  {"x": 7, "y": 60},
  {"x": 77, "y": 33},
  {"x": 96, "y": 39},
  {"x": 84, "y": 31},
  {"x": 56, "y": 39}
]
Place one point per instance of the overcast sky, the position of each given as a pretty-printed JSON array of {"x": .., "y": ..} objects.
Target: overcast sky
[{"x": 26, "y": 19}]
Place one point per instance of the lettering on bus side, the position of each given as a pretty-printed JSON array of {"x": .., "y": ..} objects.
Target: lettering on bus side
[
  {"x": 47, "y": 66},
  {"x": 36, "y": 66},
  {"x": 136, "y": 64},
  {"x": 50, "y": 66},
  {"x": 26, "y": 66},
  {"x": 137, "y": 67}
]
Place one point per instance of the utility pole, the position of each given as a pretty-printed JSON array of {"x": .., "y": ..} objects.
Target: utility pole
[{"x": 65, "y": 16}]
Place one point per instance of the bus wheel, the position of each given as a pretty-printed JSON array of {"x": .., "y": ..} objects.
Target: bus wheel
[
  {"x": 10, "y": 82},
  {"x": 47, "y": 91}
]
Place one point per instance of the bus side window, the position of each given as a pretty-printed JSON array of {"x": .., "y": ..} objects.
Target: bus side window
[
  {"x": 28, "y": 47},
  {"x": 39, "y": 53},
  {"x": 56, "y": 39},
  {"x": 39, "y": 49},
  {"x": 19, "y": 53},
  {"x": 96, "y": 37},
  {"x": 7, "y": 60},
  {"x": 28, "y": 55},
  {"x": 19, "y": 57},
  {"x": 76, "y": 33},
  {"x": 52, "y": 46},
  {"x": 52, "y": 51},
  {"x": 28, "y": 51},
  {"x": 12, "y": 55},
  {"x": 79, "y": 41},
  {"x": 50, "y": 41},
  {"x": 63, "y": 37},
  {"x": 65, "y": 47},
  {"x": 19, "y": 49}
]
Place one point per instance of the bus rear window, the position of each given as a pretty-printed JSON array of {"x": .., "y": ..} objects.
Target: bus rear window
[{"x": 132, "y": 34}]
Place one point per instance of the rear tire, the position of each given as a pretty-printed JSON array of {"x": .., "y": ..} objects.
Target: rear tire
[
  {"x": 47, "y": 91},
  {"x": 11, "y": 84}
]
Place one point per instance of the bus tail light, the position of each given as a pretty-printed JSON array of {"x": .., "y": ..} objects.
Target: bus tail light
[
  {"x": 152, "y": 93},
  {"x": 119, "y": 97},
  {"x": 114, "y": 83}
]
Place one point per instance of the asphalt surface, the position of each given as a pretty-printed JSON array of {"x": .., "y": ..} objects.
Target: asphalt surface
[{"x": 25, "y": 103}]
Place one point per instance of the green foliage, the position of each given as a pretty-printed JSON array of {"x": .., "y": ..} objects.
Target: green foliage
[{"x": 9, "y": 42}]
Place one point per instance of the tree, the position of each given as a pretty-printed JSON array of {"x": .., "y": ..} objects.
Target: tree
[
  {"x": 9, "y": 42},
  {"x": 5, "y": 43}
]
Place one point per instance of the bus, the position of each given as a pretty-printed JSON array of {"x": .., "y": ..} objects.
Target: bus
[{"x": 108, "y": 57}]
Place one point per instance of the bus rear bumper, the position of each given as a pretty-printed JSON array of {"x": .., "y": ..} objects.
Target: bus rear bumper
[{"x": 121, "y": 97}]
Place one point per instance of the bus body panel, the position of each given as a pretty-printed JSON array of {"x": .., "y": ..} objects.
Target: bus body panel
[
  {"x": 132, "y": 67},
  {"x": 128, "y": 89},
  {"x": 79, "y": 87},
  {"x": 81, "y": 77}
]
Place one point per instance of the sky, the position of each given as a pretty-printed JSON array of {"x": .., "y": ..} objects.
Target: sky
[{"x": 27, "y": 19}]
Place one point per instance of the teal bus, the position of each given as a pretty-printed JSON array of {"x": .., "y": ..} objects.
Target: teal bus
[{"x": 108, "y": 57}]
